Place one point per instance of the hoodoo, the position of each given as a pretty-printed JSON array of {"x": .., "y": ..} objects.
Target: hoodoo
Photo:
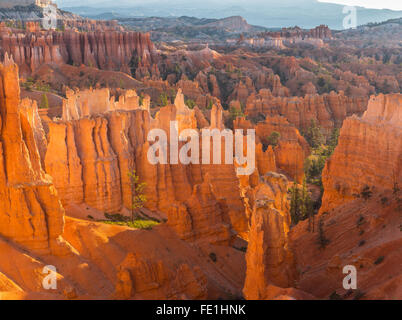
[{"x": 183, "y": 158}]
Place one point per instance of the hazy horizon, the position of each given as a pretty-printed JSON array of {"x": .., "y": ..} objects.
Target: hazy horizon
[
  {"x": 265, "y": 13},
  {"x": 372, "y": 4},
  {"x": 375, "y": 4}
]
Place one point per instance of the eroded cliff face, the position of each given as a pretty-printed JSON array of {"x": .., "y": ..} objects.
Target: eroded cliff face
[
  {"x": 361, "y": 233},
  {"x": 329, "y": 110},
  {"x": 361, "y": 211},
  {"x": 99, "y": 260},
  {"x": 82, "y": 161},
  {"x": 95, "y": 150},
  {"x": 269, "y": 258},
  {"x": 369, "y": 153},
  {"x": 30, "y": 212},
  {"x": 107, "y": 50},
  {"x": 290, "y": 152}
]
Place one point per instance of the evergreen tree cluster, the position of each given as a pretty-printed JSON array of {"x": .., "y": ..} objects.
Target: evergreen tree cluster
[{"x": 301, "y": 204}]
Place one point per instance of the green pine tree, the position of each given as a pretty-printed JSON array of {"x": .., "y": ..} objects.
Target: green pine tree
[
  {"x": 313, "y": 135},
  {"x": 295, "y": 204},
  {"x": 138, "y": 198},
  {"x": 45, "y": 102}
]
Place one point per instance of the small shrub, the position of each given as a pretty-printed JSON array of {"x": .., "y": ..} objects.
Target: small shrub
[
  {"x": 360, "y": 221},
  {"x": 366, "y": 193},
  {"x": 136, "y": 224},
  {"x": 190, "y": 103},
  {"x": 384, "y": 200},
  {"x": 322, "y": 239},
  {"x": 260, "y": 117},
  {"x": 362, "y": 243},
  {"x": 348, "y": 294},
  {"x": 335, "y": 296},
  {"x": 115, "y": 217},
  {"x": 90, "y": 217},
  {"x": 213, "y": 257},
  {"x": 120, "y": 220},
  {"x": 210, "y": 105},
  {"x": 163, "y": 100},
  {"x": 273, "y": 139},
  {"x": 396, "y": 188},
  {"x": 242, "y": 249},
  {"x": 358, "y": 295},
  {"x": 379, "y": 260}
]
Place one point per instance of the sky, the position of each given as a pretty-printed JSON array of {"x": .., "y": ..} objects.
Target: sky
[{"x": 378, "y": 4}]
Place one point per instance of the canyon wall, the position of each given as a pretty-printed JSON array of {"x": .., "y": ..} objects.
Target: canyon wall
[
  {"x": 107, "y": 50},
  {"x": 89, "y": 163},
  {"x": 95, "y": 150},
  {"x": 30, "y": 212},
  {"x": 290, "y": 151},
  {"x": 369, "y": 153},
  {"x": 269, "y": 257},
  {"x": 359, "y": 221},
  {"x": 329, "y": 110}
]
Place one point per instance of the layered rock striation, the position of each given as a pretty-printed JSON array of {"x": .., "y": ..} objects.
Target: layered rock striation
[
  {"x": 270, "y": 261},
  {"x": 329, "y": 110},
  {"x": 30, "y": 211},
  {"x": 106, "y": 50},
  {"x": 95, "y": 150},
  {"x": 369, "y": 153},
  {"x": 287, "y": 154},
  {"x": 88, "y": 158}
]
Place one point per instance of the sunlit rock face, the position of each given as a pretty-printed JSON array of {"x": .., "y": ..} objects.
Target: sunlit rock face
[
  {"x": 106, "y": 50},
  {"x": 269, "y": 257},
  {"x": 30, "y": 211},
  {"x": 369, "y": 153},
  {"x": 93, "y": 148},
  {"x": 329, "y": 110},
  {"x": 89, "y": 165}
]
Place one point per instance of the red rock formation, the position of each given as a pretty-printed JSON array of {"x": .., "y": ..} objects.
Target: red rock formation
[
  {"x": 66, "y": 168},
  {"x": 150, "y": 264},
  {"x": 87, "y": 25},
  {"x": 321, "y": 32},
  {"x": 29, "y": 109},
  {"x": 30, "y": 212},
  {"x": 193, "y": 90},
  {"x": 201, "y": 218},
  {"x": 242, "y": 90},
  {"x": 329, "y": 110},
  {"x": 269, "y": 258},
  {"x": 292, "y": 148},
  {"x": 96, "y": 153},
  {"x": 360, "y": 233},
  {"x": 85, "y": 103},
  {"x": 142, "y": 277},
  {"x": 109, "y": 50},
  {"x": 113, "y": 261},
  {"x": 369, "y": 153}
]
